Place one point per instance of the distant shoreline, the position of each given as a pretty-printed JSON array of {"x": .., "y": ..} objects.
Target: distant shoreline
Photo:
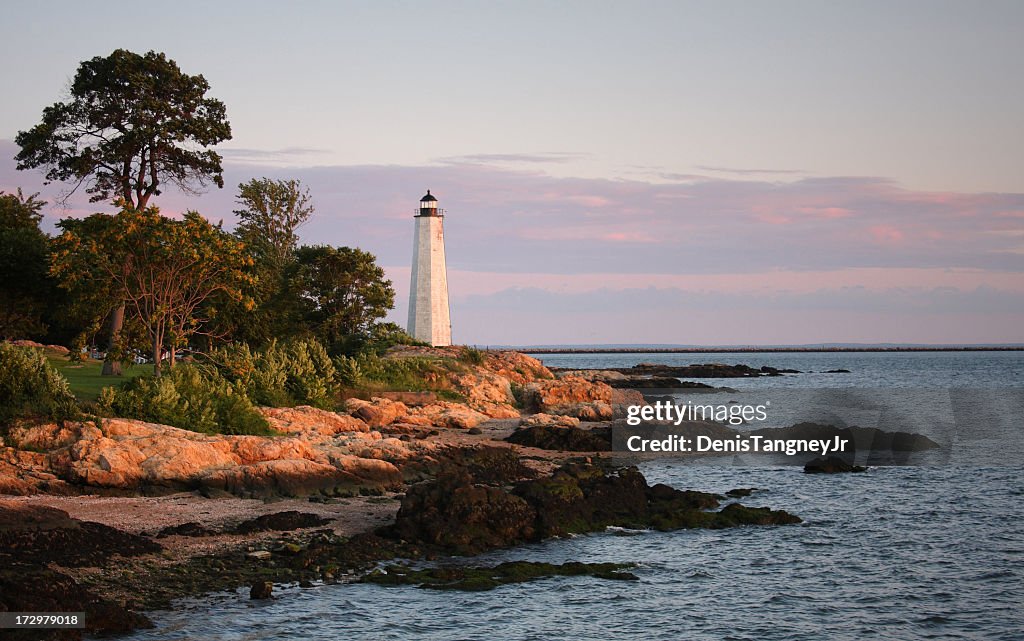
[{"x": 752, "y": 350}]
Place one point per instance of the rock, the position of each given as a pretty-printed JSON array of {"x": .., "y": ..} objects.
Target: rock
[
  {"x": 261, "y": 590},
  {"x": 741, "y": 492},
  {"x": 186, "y": 529},
  {"x": 448, "y": 414},
  {"x": 486, "y": 578},
  {"x": 310, "y": 421},
  {"x": 837, "y": 371},
  {"x": 460, "y": 514},
  {"x": 475, "y": 431},
  {"x": 134, "y": 455},
  {"x": 557, "y": 396},
  {"x": 882, "y": 447},
  {"x": 47, "y": 535},
  {"x": 563, "y": 438},
  {"x": 376, "y": 412},
  {"x": 703, "y": 370},
  {"x": 259, "y": 555},
  {"x": 831, "y": 465},
  {"x": 549, "y": 420},
  {"x": 279, "y": 521}
]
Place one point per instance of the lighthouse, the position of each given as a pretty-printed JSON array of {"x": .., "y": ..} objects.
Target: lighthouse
[{"x": 429, "y": 317}]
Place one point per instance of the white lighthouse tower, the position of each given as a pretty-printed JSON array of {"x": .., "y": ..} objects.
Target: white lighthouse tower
[{"x": 429, "y": 316}]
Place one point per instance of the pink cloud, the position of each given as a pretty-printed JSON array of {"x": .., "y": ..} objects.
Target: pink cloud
[{"x": 886, "y": 234}]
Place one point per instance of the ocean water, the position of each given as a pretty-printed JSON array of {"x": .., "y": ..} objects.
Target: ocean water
[{"x": 930, "y": 550}]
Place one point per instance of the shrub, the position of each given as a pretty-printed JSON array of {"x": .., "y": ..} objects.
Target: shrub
[
  {"x": 295, "y": 372},
  {"x": 187, "y": 396},
  {"x": 473, "y": 356},
  {"x": 31, "y": 388}
]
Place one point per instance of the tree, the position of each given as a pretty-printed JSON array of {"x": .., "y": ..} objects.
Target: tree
[
  {"x": 164, "y": 268},
  {"x": 272, "y": 212},
  {"x": 132, "y": 123},
  {"x": 26, "y": 286},
  {"x": 342, "y": 290}
]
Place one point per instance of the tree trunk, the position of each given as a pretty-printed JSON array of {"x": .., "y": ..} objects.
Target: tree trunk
[
  {"x": 112, "y": 367},
  {"x": 157, "y": 348}
]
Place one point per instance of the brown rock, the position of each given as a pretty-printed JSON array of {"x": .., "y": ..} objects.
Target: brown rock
[
  {"x": 310, "y": 421},
  {"x": 376, "y": 412},
  {"x": 549, "y": 420},
  {"x": 570, "y": 396},
  {"x": 447, "y": 414},
  {"x": 261, "y": 590}
]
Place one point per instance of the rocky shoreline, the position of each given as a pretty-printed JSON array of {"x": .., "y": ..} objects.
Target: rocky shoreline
[{"x": 116, "y": 517}]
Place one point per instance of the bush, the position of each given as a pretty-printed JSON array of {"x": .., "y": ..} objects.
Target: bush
[
  {"x": 295, "y": 372},
  {"x": 31, "y": 388},
  {"x": 473, "y": 356},
  {"x": 186, "y": 396}
]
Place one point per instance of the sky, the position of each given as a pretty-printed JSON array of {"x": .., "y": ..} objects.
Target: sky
[{"x": 716, "y": 173}]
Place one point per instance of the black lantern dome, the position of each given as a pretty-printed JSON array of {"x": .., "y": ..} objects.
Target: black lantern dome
[{"x": 428, "y": 206}]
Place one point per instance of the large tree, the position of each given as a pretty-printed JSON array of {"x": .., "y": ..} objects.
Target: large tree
[
  {"x": 269, "y": 216},
  {"x": 271, "y": 213},
  {"x": 342, "y": 290},
  {"x": 130, "y": 124},
  {"x": 25, "y": 287},
  {"x": 164, "y": 268}
]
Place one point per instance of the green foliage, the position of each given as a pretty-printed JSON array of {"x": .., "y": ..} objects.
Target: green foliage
[
  {"x": 349, "y": 373},
  {"x": 375, "y": 340},
  {"x": 31, "y": 388},
  {"x": 272, "y": 211},
  {"x": 132, "y": 123},
  {"x": 163, "y": 268},
  {"x": 294, "y": 372},
  {"x": 341, "y": 290},
  {"x": 27, "y": 292},
  {"x": 473, "y": 356},
  {"x": 187, "y": 396},
  {"x": 415, "y": 374}
]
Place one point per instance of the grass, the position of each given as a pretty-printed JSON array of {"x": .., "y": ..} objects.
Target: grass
[{"x": 85, "y": 377}]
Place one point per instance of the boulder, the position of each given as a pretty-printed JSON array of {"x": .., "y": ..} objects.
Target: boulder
[
  {"x": 831, "y": 465},
  {"x": 569, "y": 396},
  {"x": 549, "y": 420},
  {"x": 377, "y": 412},
  {"x": 447, "y": 414},
  {"x": 310, "y": 421}
]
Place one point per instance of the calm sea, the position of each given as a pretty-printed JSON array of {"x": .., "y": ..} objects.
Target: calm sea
[{"x": 932, "y": 550}]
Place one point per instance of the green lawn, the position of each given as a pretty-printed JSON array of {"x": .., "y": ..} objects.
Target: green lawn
[{"x": 85, "y": 378}]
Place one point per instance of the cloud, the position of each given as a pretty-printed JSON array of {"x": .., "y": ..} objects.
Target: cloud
[
  {"x": 547, "y": 157},
  {"x": 745, "y": 171},
  {"x": 522, "y": 228},
  {"x": 276, "y": 157}
]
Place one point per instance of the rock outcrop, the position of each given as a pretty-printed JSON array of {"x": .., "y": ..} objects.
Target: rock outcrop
[
  {"x": 129, "y": 455},
  {"x": 460, "y": 514}
]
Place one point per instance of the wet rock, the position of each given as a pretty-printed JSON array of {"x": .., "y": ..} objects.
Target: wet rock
[
  {"x": 186, "y": 529},
  {"x": 279, "y": 521},
  {"x": 487, "y": 578},
  {"x": 831, "y": 465},
  {"x": 837, "y": 371},
  {"x": 48, "y": 535},
  {"x": 563, "y": 439},
  {"x": 460, "y": 514},
  {"x": 261, "y": 590},
  {"x": 475, "y": 431},
  {"x": 741, "y": 492}
]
